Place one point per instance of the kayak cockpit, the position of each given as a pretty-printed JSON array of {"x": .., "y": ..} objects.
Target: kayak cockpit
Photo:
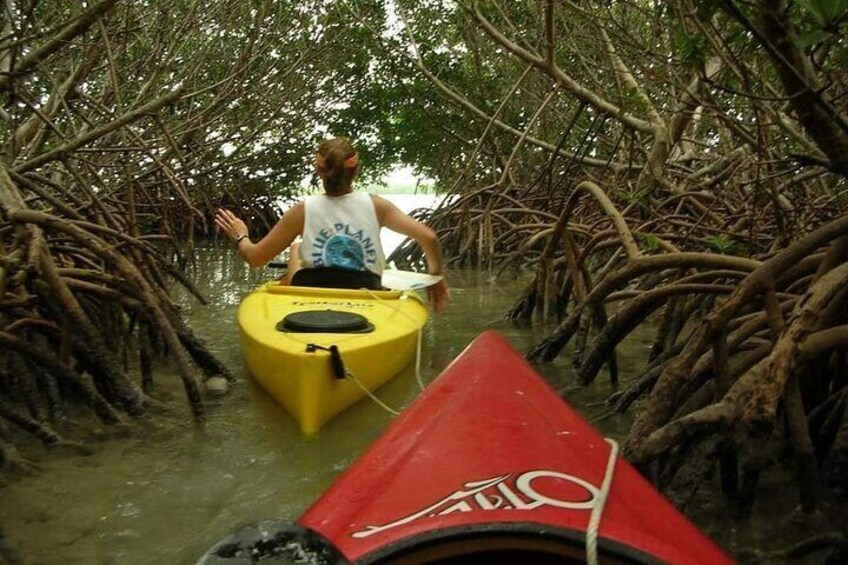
[
  {"x": 503, "y": 544},
  {"x": 281, "y": 542}
]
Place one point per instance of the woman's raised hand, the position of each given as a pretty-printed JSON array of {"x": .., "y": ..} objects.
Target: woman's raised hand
[{"x": 230, "y": 224}]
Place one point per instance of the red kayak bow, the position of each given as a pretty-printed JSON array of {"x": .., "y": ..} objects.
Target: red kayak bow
[
  {"x": 489, "y": 461},
  {"x": 489, "y": 466}
]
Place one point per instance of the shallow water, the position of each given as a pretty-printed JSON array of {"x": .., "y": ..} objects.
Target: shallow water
[{"x": 167, "y": 496}]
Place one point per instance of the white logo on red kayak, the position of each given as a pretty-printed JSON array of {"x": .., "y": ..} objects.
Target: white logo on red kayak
[{"x": 500, "y": 493}]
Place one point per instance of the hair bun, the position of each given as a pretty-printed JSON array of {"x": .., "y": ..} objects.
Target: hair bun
[{"x": 337, "y": 163}]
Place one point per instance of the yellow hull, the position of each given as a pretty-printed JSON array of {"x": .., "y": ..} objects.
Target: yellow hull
[{"x": 303, "y": 382}]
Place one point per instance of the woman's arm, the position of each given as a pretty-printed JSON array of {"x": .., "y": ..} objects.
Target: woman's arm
[
  {"x": 278, "y": 239},
  {"x": 391, "y": 217}
]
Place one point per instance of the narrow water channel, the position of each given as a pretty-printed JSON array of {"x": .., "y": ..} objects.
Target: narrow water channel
[{"x": 165, "y": 496}]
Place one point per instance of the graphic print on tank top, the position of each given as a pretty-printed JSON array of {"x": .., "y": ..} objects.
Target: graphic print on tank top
[{"x": 344, "y": 247}]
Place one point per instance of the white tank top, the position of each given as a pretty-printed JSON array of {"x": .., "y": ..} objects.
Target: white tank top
[{"x": 342, "y": 231}]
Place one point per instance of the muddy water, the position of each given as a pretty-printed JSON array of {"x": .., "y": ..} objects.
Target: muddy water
[{"x": 166, "y": 495}]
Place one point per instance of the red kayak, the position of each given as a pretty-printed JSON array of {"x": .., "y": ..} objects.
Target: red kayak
[{"x": 489, "y": 465}]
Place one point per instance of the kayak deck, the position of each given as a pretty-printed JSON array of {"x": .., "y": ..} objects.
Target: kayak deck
[{"x": 297, "y": 369}]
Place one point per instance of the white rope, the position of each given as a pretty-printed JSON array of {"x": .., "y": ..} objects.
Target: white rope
[
  {"x": 420, "y": 336},
  {"x": 598, "y": 507},
  {"x": 371, "y": 395},
  {"x": 418, "y": 360}
]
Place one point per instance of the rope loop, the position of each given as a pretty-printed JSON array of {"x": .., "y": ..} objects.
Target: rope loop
[{"x": 598, "y": 507}]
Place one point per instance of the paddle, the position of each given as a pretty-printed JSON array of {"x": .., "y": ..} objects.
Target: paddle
[{"x": 393, "y": 279}]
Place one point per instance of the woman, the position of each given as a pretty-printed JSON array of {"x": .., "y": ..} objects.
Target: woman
[{"x": 340, "y": 230}]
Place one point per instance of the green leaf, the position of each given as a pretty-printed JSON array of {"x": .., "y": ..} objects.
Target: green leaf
[
  {"x": 826, "y": 13},
  {"x": 813, "y": 37},
  {"x": 722, "y": 244},
  {"x": 650, "y": 243},
  {"x": 692, "y": 48}
]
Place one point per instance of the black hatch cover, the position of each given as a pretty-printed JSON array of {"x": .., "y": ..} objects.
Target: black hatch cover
[{"x": 325, "y": 321}]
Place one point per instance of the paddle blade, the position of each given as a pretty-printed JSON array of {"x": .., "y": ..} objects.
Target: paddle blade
[{"x": 394, "y": 279}]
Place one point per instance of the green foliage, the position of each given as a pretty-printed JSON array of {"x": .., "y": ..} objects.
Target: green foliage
[
  {"x": 820, "y": 22},
  {"x": 632, "y": 102},
  {"x": 828, "y": 14},
  {"x": 691, "y": 47},
  {"x": 398, "y": 115},
  {"x": 636, "y": 195},
  {"x": 650, "y": 243},
  {"x": 812, "y": 37},
  {"x": 267, "y": 80},
  {"x": 722, "y": 244}
]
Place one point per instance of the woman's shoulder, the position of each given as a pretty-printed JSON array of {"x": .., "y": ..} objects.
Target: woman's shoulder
[
  {"x": 296, "y": 209},
  {"x": 380, "y": 203},
  {"x": 378, "y": 200},
  {"x": 382, "y": 207}
]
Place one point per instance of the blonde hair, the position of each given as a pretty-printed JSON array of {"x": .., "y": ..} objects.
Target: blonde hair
[{"x": 337, "y": 163}]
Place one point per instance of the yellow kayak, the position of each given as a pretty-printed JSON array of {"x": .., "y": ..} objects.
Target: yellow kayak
[{"x": 312, "y": 348}]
